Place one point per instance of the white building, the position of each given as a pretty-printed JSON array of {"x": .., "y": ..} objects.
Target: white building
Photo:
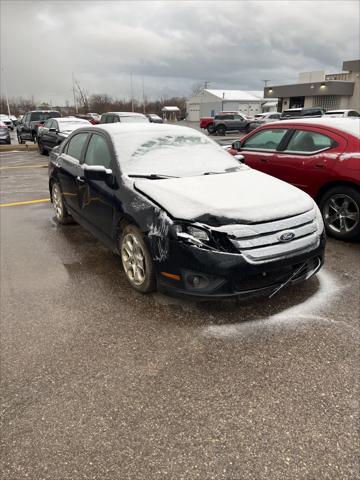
[{"x": 209, "y": 102}]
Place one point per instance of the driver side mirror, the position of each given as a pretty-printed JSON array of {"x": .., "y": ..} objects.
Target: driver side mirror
[
  {"x": 236, "y": 145},
  {"x": 100, "y": 173}
]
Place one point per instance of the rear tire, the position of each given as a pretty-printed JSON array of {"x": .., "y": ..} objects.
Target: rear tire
[
  {"x": 41, "y": 148},
  {"x": 136, "y": 260},
  {"x": 210, "y": 129},
  {"x": 61, "y": 214},
  {"x": 340, "y": 208}
]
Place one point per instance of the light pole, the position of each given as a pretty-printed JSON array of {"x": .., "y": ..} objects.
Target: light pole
[{"x": 6, "y": 94}]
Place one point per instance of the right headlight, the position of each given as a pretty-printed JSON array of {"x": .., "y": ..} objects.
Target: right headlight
[{"x": 319, "y": 220}]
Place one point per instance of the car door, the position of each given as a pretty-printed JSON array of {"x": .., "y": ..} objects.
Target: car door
[
  {"x": 307, "y": 159},
  {"x": 25, "y": 131},
  {"x": 53, "y": 134},
  {"x": 70, "y": 171},
  {"x": 240, "y": 123},
  {"x": 96, "y": 196},
  {"x": 259, "y": 148},
  {"x": 44, "y": 134}
]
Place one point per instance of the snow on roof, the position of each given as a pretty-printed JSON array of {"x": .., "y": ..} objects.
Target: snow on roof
[
  {"x": 128, "y": 114},
  {"x": 349, "y": 125},
  {"x": 237, "y": 95},
  {"x": 170, "y": 109}
]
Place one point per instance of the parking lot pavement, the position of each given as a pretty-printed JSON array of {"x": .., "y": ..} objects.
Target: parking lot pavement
[{"x": 100, "y": 382}]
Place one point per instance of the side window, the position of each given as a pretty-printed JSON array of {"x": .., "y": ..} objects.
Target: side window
[
  {"x": 76, "y": 144},
  {"x": 116, "y": 119},
  {"x": 26, "y": 118},
  {"x": 98, "y": 152},
  {"x": 353, "y": 114},
  {"x": 237, "y": 117},
  {"x": 265, "y": 140},
  {"x": 48, "y": 123},
  {"x": 305, "y": 141},
  {"x": 274, "y": 115},
  {"x": 109, "y": 119}
]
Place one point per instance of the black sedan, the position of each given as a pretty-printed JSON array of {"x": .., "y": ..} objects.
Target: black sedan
[
  {"x": 56, "y": 130},
  {"x": 184, "y": 215}
]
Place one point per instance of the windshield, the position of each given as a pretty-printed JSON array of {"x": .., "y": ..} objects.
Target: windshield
[
  {"x": 42, "y": 116},
  {"x": 134, "y": 120},
  {"x": 172, "y": 154},
  {"x": 70, "y": 126}
]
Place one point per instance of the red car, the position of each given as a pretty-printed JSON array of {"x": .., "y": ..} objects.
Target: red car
[{"x": 321, "y": 156}]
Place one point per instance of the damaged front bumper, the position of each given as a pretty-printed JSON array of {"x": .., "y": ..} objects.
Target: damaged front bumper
[{"x": 207, "y": 274}]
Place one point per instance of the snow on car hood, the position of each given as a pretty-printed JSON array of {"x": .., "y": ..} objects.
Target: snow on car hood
[{"x": 248, "y": 196}]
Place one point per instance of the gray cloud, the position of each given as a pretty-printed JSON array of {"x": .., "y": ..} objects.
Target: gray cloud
[{"x": 172, "y": 44}]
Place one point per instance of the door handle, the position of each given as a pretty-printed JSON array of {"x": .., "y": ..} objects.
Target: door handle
[
  {"x": 319, "y": 165},
  {"x": 80, "y": 180},
  {"x": 264, "y": 160}
]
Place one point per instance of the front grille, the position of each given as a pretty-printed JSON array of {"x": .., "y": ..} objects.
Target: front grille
[
  {"x": 273, "y": 278},
  {"x": 260, "y": 243}
]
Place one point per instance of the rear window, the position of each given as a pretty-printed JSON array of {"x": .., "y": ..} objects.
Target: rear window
[{"x": 42, "y": 116}]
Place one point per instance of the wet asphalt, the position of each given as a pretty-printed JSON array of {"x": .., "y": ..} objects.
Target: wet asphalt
[{"x": 101, "y": 382}]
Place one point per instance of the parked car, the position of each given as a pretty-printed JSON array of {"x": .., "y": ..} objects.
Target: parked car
[
  {"x": 56, "y": 130},
  {"x": 342, "y": 113},
  {"x": 208, "y": 123},
  {"x": 184, "y": 215},
  {"x": 4, "y": 134},
  {"x": 123, "y": 117},
  {"x": 7, "y": 121},
  {"x": 28, "y": 128},
  {"x": 231, "y": 122},
  {"x": 302, "y": 112},
  {"x": 320, "y": 156},
  {"x": 89, "y": 117},
  {"x": 262, "y": 118},
  {"x": 153, "y": 118}
]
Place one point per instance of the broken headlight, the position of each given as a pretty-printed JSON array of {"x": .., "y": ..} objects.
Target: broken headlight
[{"x": 193, "y": 234}]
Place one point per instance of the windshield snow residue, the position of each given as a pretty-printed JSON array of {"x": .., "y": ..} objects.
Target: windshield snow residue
[{"x": 176, "y": 155}]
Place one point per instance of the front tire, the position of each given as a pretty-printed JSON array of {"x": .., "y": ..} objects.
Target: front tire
[
  {"x": 340, "y": 208},
  {"x": 221, "y": 130},
  {"x": 210, "y": 129},
  {"x": 61, "y": 214},
  {"x": 136, "y": 260}
]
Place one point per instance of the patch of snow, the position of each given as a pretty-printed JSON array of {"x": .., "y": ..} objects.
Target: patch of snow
[
  {"x": 247, "y": 196},
  {"x": 308, "y": 311}
]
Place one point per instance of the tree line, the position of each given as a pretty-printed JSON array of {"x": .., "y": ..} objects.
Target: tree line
[{"x": 99, "y": 103}]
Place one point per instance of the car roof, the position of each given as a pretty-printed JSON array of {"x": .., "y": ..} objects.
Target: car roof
[
  {"x": 292, "y": 110},
  {"x": 348, "y": 125},
  {"x": 343, "y": 110},
  {"x": 126, "y": 114},
  {"x": 70, "y": 119},
  {"x": 42, "y": 111}
]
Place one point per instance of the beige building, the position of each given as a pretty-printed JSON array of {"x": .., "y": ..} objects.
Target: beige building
[{"x": 318, "y": 89}]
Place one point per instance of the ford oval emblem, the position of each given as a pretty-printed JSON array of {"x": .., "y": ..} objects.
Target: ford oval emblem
[{"x": 286, "y": 236}]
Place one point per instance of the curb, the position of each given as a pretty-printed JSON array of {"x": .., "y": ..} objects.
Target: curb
[{"x": 17, "y": 148}]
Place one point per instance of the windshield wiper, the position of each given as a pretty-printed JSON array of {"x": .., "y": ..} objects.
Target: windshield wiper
[{"x": 151, "y": 176}]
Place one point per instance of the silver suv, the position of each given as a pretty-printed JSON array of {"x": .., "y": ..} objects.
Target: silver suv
[{"x": 231, "y": 122}]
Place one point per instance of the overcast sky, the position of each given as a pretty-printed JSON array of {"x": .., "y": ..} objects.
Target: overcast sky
[{"x": 172, "y": 44}]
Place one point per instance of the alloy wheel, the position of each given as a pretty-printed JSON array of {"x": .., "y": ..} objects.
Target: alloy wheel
[
  {"x": 133, "y": 259},
  {"x": 341, "y": 213}
]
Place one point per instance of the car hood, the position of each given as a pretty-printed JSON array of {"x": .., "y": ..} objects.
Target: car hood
[{"x": 247, "y": 196}]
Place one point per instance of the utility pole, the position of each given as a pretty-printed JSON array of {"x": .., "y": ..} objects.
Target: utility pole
[
  {"x": 132, "y": 92},
  {"x": 6, "y": 93},
  {"x": 206, "y": 84},
  {"x": 74, "y": 95},
  {"x": 265, "y": 82},
  {"x": 143, "y": 95}
]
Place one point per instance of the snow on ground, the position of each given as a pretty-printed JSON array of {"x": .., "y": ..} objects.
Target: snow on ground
[{"x": 311, "y": 310}]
